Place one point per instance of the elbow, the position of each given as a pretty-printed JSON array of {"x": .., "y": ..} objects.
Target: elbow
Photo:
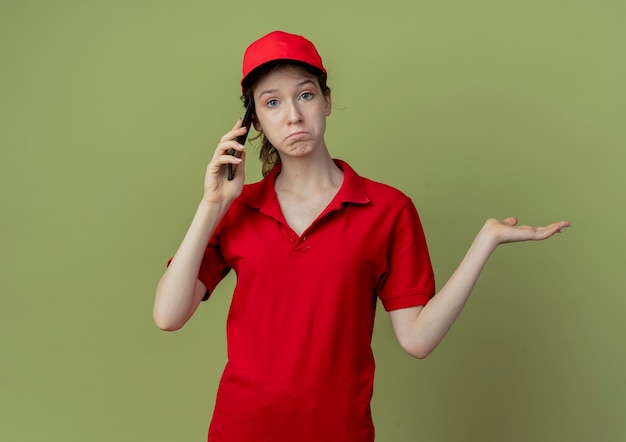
[
  {"x": 418, "y": 350},
  {"x": 168, "y": 327},
  {"x": 166, "y": 324},
  {"x": 419, "y": 353}
]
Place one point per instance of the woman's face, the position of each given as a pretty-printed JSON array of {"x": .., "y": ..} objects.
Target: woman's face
[{"x": 291, "y": 111}]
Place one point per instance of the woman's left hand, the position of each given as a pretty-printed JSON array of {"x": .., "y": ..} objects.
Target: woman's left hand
[{"x": 507, "y": 230}]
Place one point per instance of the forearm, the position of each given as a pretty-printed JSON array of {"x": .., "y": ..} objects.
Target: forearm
[
  {"x": 423, "y": 329},
  {"x": 176, "y": 295},
  {"x": 420, "y": 329},
  {"x": 438, "y": 316}
]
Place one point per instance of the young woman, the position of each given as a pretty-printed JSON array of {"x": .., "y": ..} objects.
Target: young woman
[{"x": 314, "y": 246}]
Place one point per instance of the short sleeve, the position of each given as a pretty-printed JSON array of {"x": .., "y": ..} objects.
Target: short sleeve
[
  {"x": 213, "y": 267},
  {"x": 410, "y": 279}
]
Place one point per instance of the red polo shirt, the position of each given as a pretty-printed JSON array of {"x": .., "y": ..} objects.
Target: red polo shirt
[{"x": 300, "y": 364}]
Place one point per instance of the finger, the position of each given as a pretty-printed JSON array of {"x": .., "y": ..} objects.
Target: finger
[
  {"x": 238, "y": 169},
  {"x": 235, "y": 170},
  {"x": 219, "y": 163},
  {"x": 548, "y": 231},
  {"x": 223, "y": 155},
  {"x": 227, "y": 148},
  {"x": 557, "y": 227},
  {"x": 235, "y": 132}
]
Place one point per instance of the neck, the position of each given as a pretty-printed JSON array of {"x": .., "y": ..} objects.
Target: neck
[{"x": 309, "y": 174}]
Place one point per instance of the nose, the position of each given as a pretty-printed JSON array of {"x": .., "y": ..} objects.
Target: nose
[{"x": 294, "y": 114}]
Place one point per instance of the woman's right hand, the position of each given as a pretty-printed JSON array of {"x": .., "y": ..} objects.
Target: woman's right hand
[{"x": 218, "y": 189}]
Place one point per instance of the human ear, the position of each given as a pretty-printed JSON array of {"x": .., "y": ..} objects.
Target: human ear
[
  {"x": 329, "y": 105},
  {"x": 256, "y": 124}
]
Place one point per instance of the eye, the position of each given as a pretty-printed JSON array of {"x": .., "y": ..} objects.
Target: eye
[
  {"x": 272, "y": 103},
  {"x": 306, "y": 95}
]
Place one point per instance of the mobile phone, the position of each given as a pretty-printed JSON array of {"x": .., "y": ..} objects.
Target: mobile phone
[{"x": 247, "y": 122}]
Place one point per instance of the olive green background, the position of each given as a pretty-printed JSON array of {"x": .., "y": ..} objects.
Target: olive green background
[{"x": 110, "y": 110}]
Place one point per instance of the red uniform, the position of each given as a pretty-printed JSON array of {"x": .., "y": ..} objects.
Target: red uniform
[{"x": 300, "y": 364}]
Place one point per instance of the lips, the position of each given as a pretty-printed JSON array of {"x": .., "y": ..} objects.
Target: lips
[{"x": 296, "y": 136}]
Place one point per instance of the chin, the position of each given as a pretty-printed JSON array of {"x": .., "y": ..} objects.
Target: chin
[{"x": 298, "y": 150}]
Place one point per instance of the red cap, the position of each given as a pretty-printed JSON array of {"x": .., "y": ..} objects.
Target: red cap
[{"x": 279, "y": 45}]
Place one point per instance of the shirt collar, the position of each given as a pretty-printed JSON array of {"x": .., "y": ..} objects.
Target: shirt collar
[{"x": 261, "y": 195}]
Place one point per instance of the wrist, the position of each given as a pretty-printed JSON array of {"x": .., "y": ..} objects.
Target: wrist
[
  {"x": 488, "y": 236},
  {"x": 213, "y": 208}
]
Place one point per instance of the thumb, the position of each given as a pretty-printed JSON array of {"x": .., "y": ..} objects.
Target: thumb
[{"x": 511, "y": 221}]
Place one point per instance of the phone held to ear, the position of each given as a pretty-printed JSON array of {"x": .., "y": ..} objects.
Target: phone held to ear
[{"x": 247, "y": 122}]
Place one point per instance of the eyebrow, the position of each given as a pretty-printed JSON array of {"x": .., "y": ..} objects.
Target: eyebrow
[{"x": 299, "y": 85}]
